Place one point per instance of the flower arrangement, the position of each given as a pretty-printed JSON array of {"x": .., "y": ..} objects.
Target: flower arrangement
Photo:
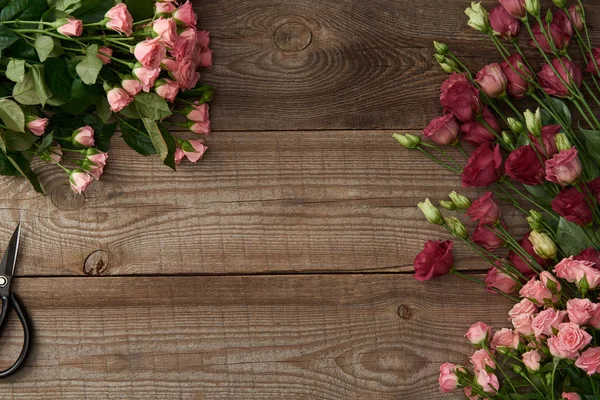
[
  {"x": 548, "y": 168},
  {"x": 72, "y": 71}
]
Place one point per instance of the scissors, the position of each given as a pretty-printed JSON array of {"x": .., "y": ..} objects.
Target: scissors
[{"x": 10, "y": 301}]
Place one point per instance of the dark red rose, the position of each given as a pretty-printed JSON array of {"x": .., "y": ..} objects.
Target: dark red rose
[
  {"x": 516, "y": 8},
  {"x": 516, "y": 71},
  {"x": 485, "y": 210},
  {"x": 503, "y": 23},
  {"x": 459, "y": 96},
  {"x": 591, "y": 67},
  {"x": 576, "y": 17},
  {"x": 476, "y": 133},
  {"x": 589, "y": 254},
  {"x": 523, "y": 265},
  {"x": 434, "y": 261},
  {"x": 484, "y": 237},
  {"x": 552, "y": 84},
  {"x": 523, "y": 165},
  {"x": 442, "y": 130},
  {"x": 547, "y": 139},
  {"x": 560, "y": 29},
  {"x": 571, "y": 205},
  {"x": 594, "y": 187},
  {"x": 484, "y": 166}
]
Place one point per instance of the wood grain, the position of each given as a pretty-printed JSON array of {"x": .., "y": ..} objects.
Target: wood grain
[{"x": 373, "y": 337}]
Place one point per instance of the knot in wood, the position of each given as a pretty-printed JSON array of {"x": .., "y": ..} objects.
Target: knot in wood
[
  {"x": 96, "y": 263},
  {"x": 65, "y": 199},
  {"x": 404, "y": 312},
  {"x": 292, "y": 37}
]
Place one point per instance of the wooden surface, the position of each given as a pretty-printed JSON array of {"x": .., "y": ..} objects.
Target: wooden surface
[{"x": 279, "y": 267}]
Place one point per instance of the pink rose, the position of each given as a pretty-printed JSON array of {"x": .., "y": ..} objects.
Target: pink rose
[
  {"x": 206, "y": 57},
  {"x": 503, "y": 23},
  {"x": 80, "y": 180},
  {"x": 186, "y": 15},
  {"x": 194, "y": 149},
  {"x": 203, "y": 38},
  {"x": 119, "y": 19},
  {"x": 477, "y": 133},
  {"x": 200, "y": 128},
  {"x": 72, "y": 27},
  {"x": 535, "y": 291},
  {"x": 434, "y": 261},
  {"x": 517, "y": 74},
  {"x": 589, "y": 361},
  {"x": 497, "y": 279},
  {"x": 484, "y": 166},
  {"x": 468, "y": 390},
  {"x": 552, "y": 84},
  {"x": 480, "y": 359},
  {"x": 479, "y": 333},
  {"x": 484, "y": 237},
  {"x": 147, "y": 76},
  {"x": 564, "y": 168},
  {"x": 575, "y": 271},
  {"x": 516, "y": 8},
  {"x": 166, "y": 30},
  {"x": 38, "y": 126},
  {"x": 492, "y": 80},
  {"x": 460, "y": 97},
  {"x": 571, "y": 204},
  {"x": 546, "y": 321},
  {"x": 96, "y": 156},
  {"x": 185, "y": 74},
  {"x": 569, "y": 340},
  {"x": 580, "y": 311},
  {"x": 164, "y": 7},
  {"x": 485, "y": 210},
  {"x": 84, "y": 136},
  {"x": 531, "y": 359},
  {"x": 198, "y": 113},
  {"x": 442, "y": 130},
  {"x": 105, "y": 54},
  {"x": 167, "y": 89},
  {"x": 505, "y": 338},
  {"x": 150, "y": 52},
  {"x": 94, "y": 170},
  {"x": 448, "y": 380},
  {"x": 521, "y": 316},
  {"x": 184, "y": 46},
  {"x": 570, "y": 396},
  {"x": 549, "y": 281},
  {"x": 561, "y": 32},
  {"x": 131, "y": 86},
  {"x": 179, "y": 155},
  {"x": 53, "y": 155},
  {"x": 118, "y": 98},
  {"x": 488, "y": 382},
  {"x": 523, "y": 165}
]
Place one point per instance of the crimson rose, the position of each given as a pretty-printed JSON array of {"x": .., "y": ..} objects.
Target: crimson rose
[
  {"x": 484, "y": 166},
  {"x": 434, "y": 261},
  {"x": 572, "y": 205},
  {"x": 460, "y": 96}
]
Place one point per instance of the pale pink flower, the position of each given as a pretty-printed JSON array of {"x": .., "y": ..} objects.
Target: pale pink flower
[
  {"x": 570, "y": 396},
  {"x": 119, "y": 19},
  {"x": 72, "y": 27},
  {"x": 104, "y": 54},
  {"x": 147, "y": 76},
  {"x": 569, "y": 340},
  {"x": 118, "y": 98},
  {"x": 480, "y": 359},
  {"x": 164, "y": 7},
  {"x": 132, "y": 86},
  {"x": 80, "y": 180},
  {"x": 505, "y": 338},
  {"x": 479, "y": 333},
  {"x": 84, "y": 136},
  {"x": 198, "y": 113},
  {"x": 166, "y": 29},
  {"x": 564, "y": 168},
  {"x": 535, "y": 291},
  {"x": 546, "y": 321},
  {"x": 580, "y": 311},
  {"x": 179, "y": 155},
  {"x": 38, "y": 126},
  {"x": 150, "y": 52},
  {"x": 488, "y": 382},
  {"x": 201, "y": 128},
  {"x": 194, "y": 149},
  {"x": 575, "y": 271},
  {"x": 531, "y": 359},
  {"x": 167, "y": 89},
  {"x": 589, "y": 360},
  {"x": 186, "y": 15}
]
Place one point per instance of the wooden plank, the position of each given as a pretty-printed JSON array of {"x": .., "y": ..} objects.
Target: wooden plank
[
  {"x": 373, "y": 337},
  {"x": 259, "y": 202}
]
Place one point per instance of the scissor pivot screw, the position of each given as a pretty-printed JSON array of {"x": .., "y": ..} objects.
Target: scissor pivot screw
[{"x": 3, "y": 281}]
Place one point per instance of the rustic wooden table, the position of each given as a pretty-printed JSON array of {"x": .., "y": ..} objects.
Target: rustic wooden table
[{"x": 279, "y": 267}]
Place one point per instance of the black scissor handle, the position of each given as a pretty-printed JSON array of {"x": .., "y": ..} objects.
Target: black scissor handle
[{"x": 9, "y": 302}]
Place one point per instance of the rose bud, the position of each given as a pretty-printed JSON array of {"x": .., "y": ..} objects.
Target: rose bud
[
  {"x": 146, "y": 75},
  {"x": 532, "y": 7},
  {"x": 37, "y": 125},
  {"x": 549, "y": 281},
  {"x": 186, "y": 15},
  {"x": 482, "y": 359},
  {"x": 576, "y": 19},
  {"x": 570, "y": 396},
  {"x": 460, "y": 97},
  {"x": 206, "y": 57},
  {"x": 118, "y": 98},
  {"x": 553, "y": 85},
  {"x": 164, "y": 7},
  {"x": 448, "y": 205},
  {"x": 484, "y": 237},
  {"x": 167, "y": 89},
  {"x": 561, "y": 32},
  {"x": 492, "y": 81},
  {"x": 533, "y": 122},
  {"x": 516, "y": 8},
  {"x": 70, "y": 27},
  {"x": 523, "y": 166},
  {"x": 448, "y": 380},
  {"x": 94, "y": 170},
  {"x": 478, "y": 18},
  {"x": 520, "y": 263},
  {"x": 179, "y": 155},
  {"x": 543, "y": 245},
  {"x": 593, "y": 64},
  {"x": 440, "y": 48},
  {"x": 432, "y": 214},
  {"x": 407, "y": 141},
  {"x": 461, "y": 202},
  {"x": 194, "y": 149},
  {"x": 457, "y": 228},
  {"x": 515, "y": 125},
  {"x": 573, "y": 206},
  {"x": 477, "y": 133},
  {"x": 442, "y": 130},
  {"x": 582, "y": 273},
  {"x": 547, "y": 321},
  {"x": 166, "y": 30},
  {"x": 53, "y": 155},
  {"x": 488, "y": 381},
  {"x": 484, "y": 166},
  {"x": 518, "y": 76},
  {"x": 535, "y": 220},
  {"x": 131, "y": 85},
  {"x": 569, "y": 340},
  {"x": 198, "y": 113},
  {"x": 537, "y": 292},
  {"x": 524, "y": 307},
  {"x": 119, "y": 19},
  {"x": 531, "y": 360},
  {"x": 564, "y": 168},
  {"x": 150, "y": 52},
  {"x": 505, "y": 338},
  {"x": 83, "y": 137},
  {"x": 479, "y": 333},
  {"x": 105, "y": 54},
  {"x": 503, "y": 23},
  {"x": 589, "y": 361},
  {"x": 199, "y": 128},
  {"x": 434, "y": 261},
  {"x": 589, "y": 254},
  {"x": 496, "y": 279},
  {"x": 485, "y": 210},
  {"x": 80, "y": 180},
  {"x": 96, "y": 156}
]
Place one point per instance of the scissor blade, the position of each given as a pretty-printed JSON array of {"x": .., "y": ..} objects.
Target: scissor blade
[{"x": 9, "y": 260}]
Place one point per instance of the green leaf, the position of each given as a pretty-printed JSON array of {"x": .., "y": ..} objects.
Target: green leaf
[
  {"x": 15, "y": 70},
  {"x": 104, "y": 135},
  {"x": 25, "y": 92},
  {"x": 7, "y": 38},
  {"x": 563, "y": 112},
  {"x": 90, "y": 67},
  {"x": 140, "y": 9},
  {"x": 103, "y": 109},
  {"x": 152, "y": 106},
  {"x": 171, "y": 146},
  {"x": 571, "y": 237},
  {"x": 39, "y": 81},
  {"x": 12, "y": 115},
  {"x": 67, "y": 6},
  {"x": 157, "y": 138},
  {"x": 58, "y": 79},
  {"x": 23, "y": 165},
  {"x": 44, "y": 46},
  {"x": 592, "y": 142},
  {"x": 6, "y": 167},
  {"x": 130, "y": 112},
  {"x": 26, "y": 10},
  {"x": 17, "y": 141},
  {"x": 46, "y": 143},
  {"x": 57, "y": 50},
  {"x": 540, "y": 194},
  {"x": 94, "y": 10},
  {"x": 136, "y": 137}
]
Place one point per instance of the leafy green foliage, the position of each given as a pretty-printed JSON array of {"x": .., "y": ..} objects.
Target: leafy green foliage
[
  {"x": 93, "y": 10},
  {"x": 140, "y": 9},
  {"x": 135, "y": 135},
  {"x": 6, "y": 167},
  {"x": 7, "y": 38},
  {"x": 58, "y": 78},
  {"x": 152, "y": 106},
  {"x": 12, "y": 115},
  {"x": 39, "y": 82},
  {"x": 67, "y": 6},
  {"x": 90, "y": 67},
  {"x": 15, "y": 70},
  {"x": 27, "y": 10},
  {"x": 25, "y": 91},
  {"x": 23, "y": 166},
  {"x": 571, "y": 237},
  {"x": 157, "y": 138},
  {"x": 17, "y": 141},
  {"x": 563, "y": 112},
  {"x": 44, "y": 46}
]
